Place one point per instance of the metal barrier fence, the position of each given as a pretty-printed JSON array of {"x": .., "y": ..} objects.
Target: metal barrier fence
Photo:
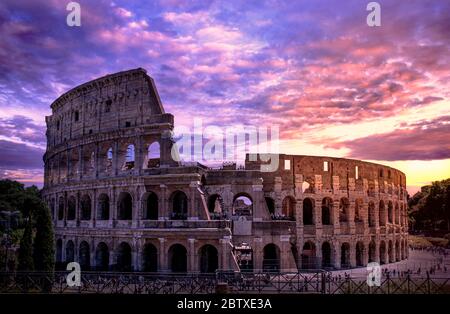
[{"x": 318, "y": 282}]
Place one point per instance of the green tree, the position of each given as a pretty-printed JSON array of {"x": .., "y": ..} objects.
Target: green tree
[
  {"x": 26, "y": 249},
  {"x": 44, "y": 251}
]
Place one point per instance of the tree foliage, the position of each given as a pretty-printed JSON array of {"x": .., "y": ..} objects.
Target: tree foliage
[{"x": 430, "y": 207}]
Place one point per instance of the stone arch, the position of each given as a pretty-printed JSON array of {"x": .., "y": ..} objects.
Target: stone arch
[
  {"x": 326, "y": 254},
  {"x": 270, "y": 205},
  {"x": 129, "y": 158},
  {"x": 70, "y": 251},
  {"x": 85, "y": 210},
  {"x": 309, "y": 255},
  {"x": 327, "y": 210},
  {"x": 242, "y": 204},
  {"x": 359, "y": 203},
  {"x": 215, "y": 204},
  {"x": 372, "y": 214},
  {"x": 360, "y": 251},
  {"x": 382, "y": 214},
  {"x": 125, "y": 206},
  {"x": 209, "y": 258},
  {"x": 390, "y": 212},
  {"x": 151, "y": 206},
  {"x": 102, "y": 257},
  {"x": 153, "y": 156},
  {"x": 372, "y": 251},
  {"x": 345, "y": 255},
  {"x": 61, "y": 208},
  {"x": 150, "y": 258},
  {"x": 396, "y": 214},
  {"x": 177, "y": 258},
  {"x": 59, "y": 248},
  {"x": 308, "y": 211},
  {"x": 383, "y": 253},
  {"x": 288, "y": 207},
  {"x": 179, "y": 202},
  {"x": 103, "y": 207},
  {"x": 84, "y": 256},
  {"x": 391, "y": 251},
  {"x": 397, "y": 250},
  {"x": 344, "y": 205},
  {"x": 71, "y": 208},
  {"x": 271, "y": 258},
  {"x": 124, "y": 257}
]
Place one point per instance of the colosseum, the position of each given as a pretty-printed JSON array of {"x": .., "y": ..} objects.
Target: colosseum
[{"x": 120, "y": 202}]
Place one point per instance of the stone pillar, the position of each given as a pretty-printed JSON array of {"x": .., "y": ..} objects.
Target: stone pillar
[
  {"x": 94, "y": 209},
  {"x": 366, "y": 253},
  {"x": 116, "y": 158},
  {"x": 257, "y": 254},
  {"x": 97, "y": 161},
  {"x": 352, "y": 254},
  {"x": 318, "y": 213},
  {"x": 139, "y": 156},
  {"x": 163, "y": 262},
  {"x": 191, "y": 262},
  {"x": 224, "y": 258},
  {"x": 335, "y": 216},
  {"x": 258, "y": 198},
  {"x": 80, "y": 162},
  {"x": 337, "y": 254},
  {"x": 319, "y": 256},
  {"x": 137, "y": 209},
  {"x": 163, "y": 204},
  {"x": 351, "y": 218},
  {"x": 192, "y": 210}
]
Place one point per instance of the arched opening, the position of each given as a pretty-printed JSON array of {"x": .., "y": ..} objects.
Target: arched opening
[
  {"x": 327, "y": 207},
  {"x": 178, "y": 258},
  {"x": 153, "y": 155},
  {"x": 382, "y": 253},
  {"x": 358, "y": 210},
  {"x": 326, "y": 255},
  {"x": 150, "y": 255},
  {"x": 390, "y": 252},
  {"x": 271, "y": 258},
  {"x": 71, "y": 208},
  {"x": 209, "y": 259},
  {"x": 84, "y": 256},
  {"x": 103, "y": 207},
  {"x": 61, "y": 208},
  {"x": 70, "y": 251},
  {"x": 372, "y": 217},
  {"x": 179, "y": 206},
  {"x": 242, "y": 205},
  {"x": 124, "y": 257},
  {"x": 344, "y": 205},
  {"x": 309, "y": 256},
  {"x": 215, "y": 205},
  {"x": 360, "y": 254},
  {"x": 372, "y": 251},
  {"x": 308, "y": 208},
  {"x": 59, "y": 248},
  {"x": 85, "y": 208},
  {"x": 129, "y": 158},
  {"x": 345, "y": 255},
  {"x": 390, "y": 212},
  {"x": 397, "y": 251},
  {"x": 397, "y": 216},
  {"x": 288, "y": 207},
  {"x": 102, "y": 257},
  {"x": 270, "y": 205},
  {"x": 125, "y": 206},
  {"x": 151, "y": 207},
  {"x": 382, "y": 213}
]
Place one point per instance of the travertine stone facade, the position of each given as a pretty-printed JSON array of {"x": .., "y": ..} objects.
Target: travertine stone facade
[{"x": 119, "y": 201}]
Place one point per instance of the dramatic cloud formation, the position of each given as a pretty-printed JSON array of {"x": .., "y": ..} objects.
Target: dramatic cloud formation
[{"x": 312, "y": 67}]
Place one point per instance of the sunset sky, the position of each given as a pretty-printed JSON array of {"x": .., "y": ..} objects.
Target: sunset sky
[{"x": 332, "y": 84}]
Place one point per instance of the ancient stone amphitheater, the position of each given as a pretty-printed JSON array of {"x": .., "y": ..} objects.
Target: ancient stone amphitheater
[{"x": 120, "y": 202}]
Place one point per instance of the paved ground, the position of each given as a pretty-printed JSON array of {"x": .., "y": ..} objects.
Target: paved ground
[{"x": 419, "y": 262}]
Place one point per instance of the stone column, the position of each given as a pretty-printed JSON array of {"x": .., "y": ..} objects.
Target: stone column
[
  {"x": 163, "y": 204},
  {"x": 335, "y": 216},
  {"x": 139, "y": 156},
  {"x": 257, "y": 254},
  {"x": 97, "y": 161},
  {"x": 162, "y": 256},
  {"x": 116, "y": 158},
  {"x": 192, "y": 210},
  {"x": 80, "y": 162},
  {"x": 225, "y": 255},
  {"x": 352, "y": 254},
  {"x": 94, "y": 209},
  {"x": 377, "y": 251},
  {"x": 191, "y": 265},
  {"x": 137, "y": 209},
  {"x": 337, "y": 254}
]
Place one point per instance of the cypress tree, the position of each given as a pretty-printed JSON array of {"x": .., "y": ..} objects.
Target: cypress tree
[
  {"x": 26, "y": 249},
  {"x": 44, "y": 248}
]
